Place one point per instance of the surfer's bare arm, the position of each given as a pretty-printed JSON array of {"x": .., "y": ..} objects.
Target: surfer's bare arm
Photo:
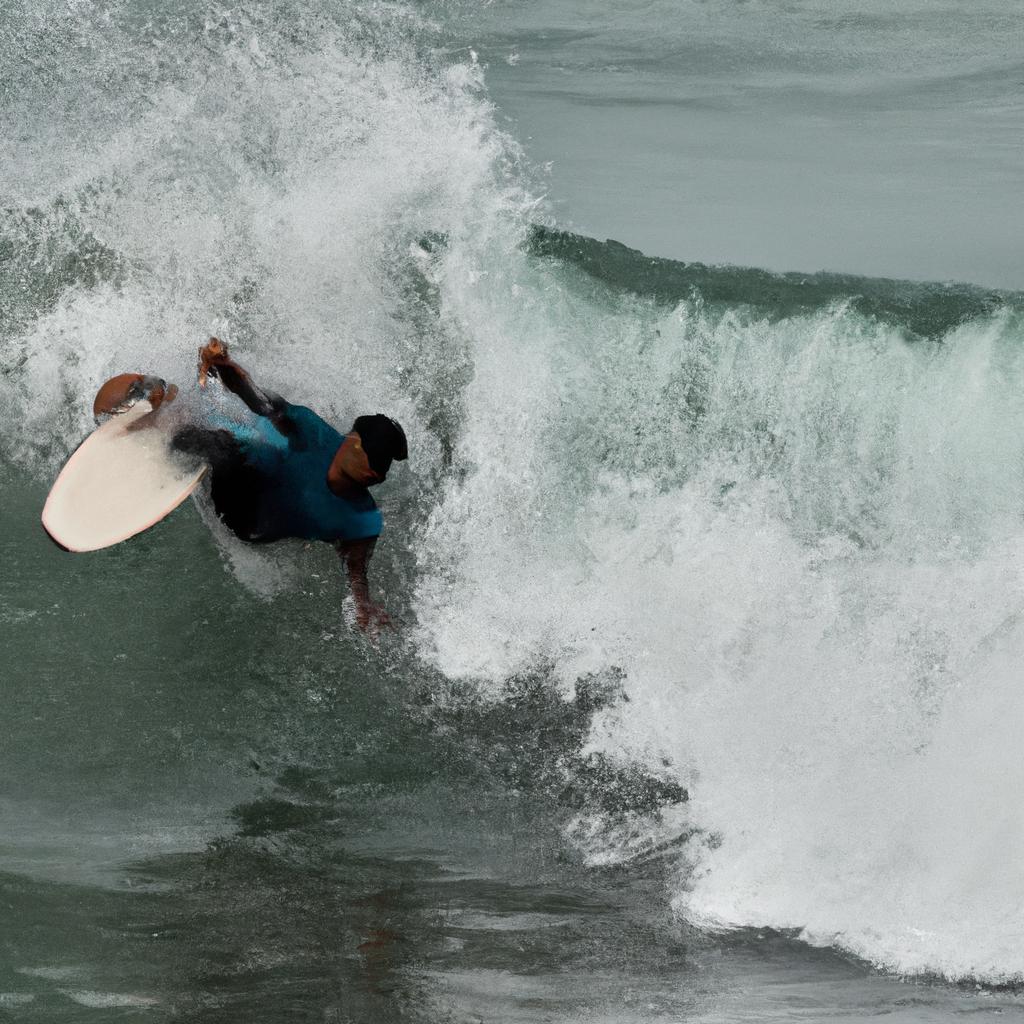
[
  {"x": 214, "y": 359},
  {"x": 355, "y": 556}
]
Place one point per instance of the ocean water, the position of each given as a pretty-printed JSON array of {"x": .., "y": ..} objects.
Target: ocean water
[
  {"x": 705, "y": 699},
  {"x": 873, "y": 137}
]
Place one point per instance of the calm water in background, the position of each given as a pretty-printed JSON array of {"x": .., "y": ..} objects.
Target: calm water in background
[
  {"x": 871, "y": 138},
  {"x": 704, "y": 704}
]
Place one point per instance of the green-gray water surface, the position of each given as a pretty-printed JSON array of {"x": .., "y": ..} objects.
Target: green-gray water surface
[{"x": 220, "y": 808}]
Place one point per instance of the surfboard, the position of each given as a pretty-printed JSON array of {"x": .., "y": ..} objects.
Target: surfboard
[{"x": 119, "y": 482}]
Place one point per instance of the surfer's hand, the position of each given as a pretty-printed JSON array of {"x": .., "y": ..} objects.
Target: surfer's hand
[
  {"x": 211, "y": 354},
  {"x": 372, "y": 618},
  {"x": 369, "y": 616}
]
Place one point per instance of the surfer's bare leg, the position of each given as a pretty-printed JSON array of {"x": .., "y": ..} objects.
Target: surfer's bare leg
[
  {"x": 355, "y": 556},
  {"x": 214, "y": 359}
]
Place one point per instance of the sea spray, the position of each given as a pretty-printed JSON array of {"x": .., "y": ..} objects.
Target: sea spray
[
  {"x": 799, "y": 539},
  {"x": 261, "y": 171}
]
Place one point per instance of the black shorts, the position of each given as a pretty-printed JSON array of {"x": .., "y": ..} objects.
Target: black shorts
[{"x": 235, "y": 486}]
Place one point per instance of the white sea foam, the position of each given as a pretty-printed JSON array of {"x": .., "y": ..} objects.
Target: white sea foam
[
  {"x": 14, "y": 999},
  {"x": 107, "y": 1000},
  {"x": 51, "y": 973},
  {"x": 801, "y": 542}
]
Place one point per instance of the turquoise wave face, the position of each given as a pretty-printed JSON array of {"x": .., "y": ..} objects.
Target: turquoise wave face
[{"x": 923, "y": 309}]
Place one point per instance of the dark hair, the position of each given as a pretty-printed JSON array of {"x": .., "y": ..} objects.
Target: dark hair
[{"x": 383, "y": 439}]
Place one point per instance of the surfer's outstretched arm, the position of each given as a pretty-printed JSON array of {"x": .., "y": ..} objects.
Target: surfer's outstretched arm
[
  {"x": 214, "y": 359},
  {"x": 355, "y": 556}
]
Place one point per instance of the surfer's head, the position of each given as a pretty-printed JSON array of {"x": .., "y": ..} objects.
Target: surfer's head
[
  {"x": 366, "y": 454},
  {"x": 383, "y": 441}
]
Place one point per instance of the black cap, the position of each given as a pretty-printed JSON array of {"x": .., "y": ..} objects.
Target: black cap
[{"x": 383, "y": 439}]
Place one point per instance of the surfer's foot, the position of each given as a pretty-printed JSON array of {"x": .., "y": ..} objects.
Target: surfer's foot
[
  {"x": 213, "y": 352},
  {"x": 120, "y": 393}
]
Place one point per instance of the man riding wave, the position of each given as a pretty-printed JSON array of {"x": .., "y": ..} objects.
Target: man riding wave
[{"x": 290, "y": 474}]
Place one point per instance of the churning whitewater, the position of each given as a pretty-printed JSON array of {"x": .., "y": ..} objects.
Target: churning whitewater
[{"x": 791, "y": 527}]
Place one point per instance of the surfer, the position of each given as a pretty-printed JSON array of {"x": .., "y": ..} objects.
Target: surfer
[
  {"x": 290, "y": 474},
  {"x": 294, "y": 475}
]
